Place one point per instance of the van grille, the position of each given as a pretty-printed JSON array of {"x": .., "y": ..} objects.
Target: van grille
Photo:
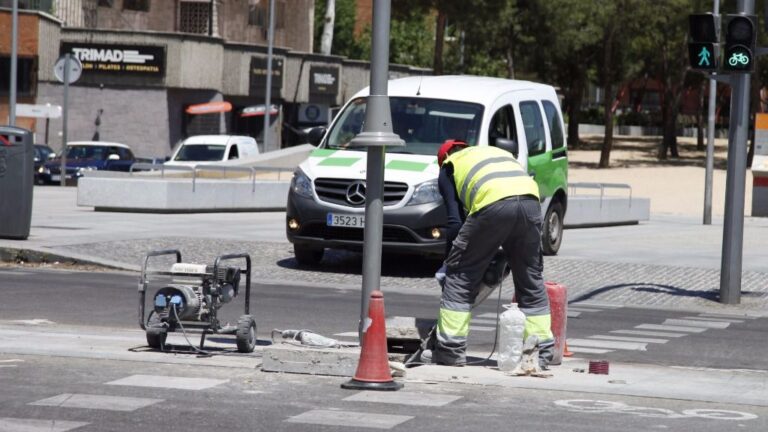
[{"x": 334, "y": 191}]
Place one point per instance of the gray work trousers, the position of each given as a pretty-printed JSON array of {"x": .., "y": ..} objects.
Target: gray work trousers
[{"x": 514, "y": 224}]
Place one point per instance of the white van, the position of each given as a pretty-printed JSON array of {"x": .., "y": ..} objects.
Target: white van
[
  {"x": 213, "y": 148},
  {"x": 326, "y": 202}
]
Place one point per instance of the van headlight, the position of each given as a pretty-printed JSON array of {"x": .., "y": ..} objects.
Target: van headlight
[
  {"x": 426, "y": 192},
  {"x": 301, "y": 184}
]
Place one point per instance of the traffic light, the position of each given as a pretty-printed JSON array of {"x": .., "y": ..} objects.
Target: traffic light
[
  {"x": 740, "y": 38},
  {"x": 703, "y": 47}
]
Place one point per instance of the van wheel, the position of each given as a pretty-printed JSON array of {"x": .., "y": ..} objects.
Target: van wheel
[
  {"x": 552, "y": 231},
  {"x": 307, "y": 255}
]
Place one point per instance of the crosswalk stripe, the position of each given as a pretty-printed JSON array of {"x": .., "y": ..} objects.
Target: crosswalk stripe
[
  {"x": 404, "y": 398},
  {"x": 349, "y": 419},
  {"x": 487, "y": 315},
  {"x": 694, "y": 323},
  {"x": 671, "y": 328},
  {"x": 723, "y": 315},
  {"x": 593, "y": 304},
  {"x": 580, "y": 350},
  {"x": 481, "y": 328},
  {"x": 157, "y": 381},
  {"x": 592, "y": 343},
  {"x": 648, "y": 333},
  {"x": 348, "y": 334},
  {"x": 728, "y": 320},
  {"x": 583, "y": 309},
  {"x": 630, "y": 339},
  {"x": 9, "y": 424},
  {"x": 102, "y": 402},
  {"x": 573, "y": 314}
]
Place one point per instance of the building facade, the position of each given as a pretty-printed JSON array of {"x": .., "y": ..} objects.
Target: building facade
[{"x": 147, "y": 84}]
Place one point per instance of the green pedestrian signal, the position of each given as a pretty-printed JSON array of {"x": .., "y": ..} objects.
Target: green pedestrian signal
[
  {"x": 703, "y": 47},
  {"x": 703, "y": 55}
]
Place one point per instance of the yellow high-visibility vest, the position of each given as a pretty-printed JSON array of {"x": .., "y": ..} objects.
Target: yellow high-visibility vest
[{"x": 484, "y": 175}]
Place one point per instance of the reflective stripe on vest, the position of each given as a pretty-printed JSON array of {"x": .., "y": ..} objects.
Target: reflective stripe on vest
[{"x": 484, "y": 175}]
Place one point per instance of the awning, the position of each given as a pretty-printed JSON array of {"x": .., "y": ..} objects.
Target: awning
[
  {"x": 209, "y": 108},
  {"x": 258, "y": 110}
]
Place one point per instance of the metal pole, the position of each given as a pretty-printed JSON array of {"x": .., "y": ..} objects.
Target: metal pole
[
  {"x": 64, "y": 112},
  {"x": 733, "y": 227},
  {"x": 14, "y": 63},
  {"x": 376, "y": 135},
  {"x": 710, "y": 165},
  {"x": 268, "y": 101}
]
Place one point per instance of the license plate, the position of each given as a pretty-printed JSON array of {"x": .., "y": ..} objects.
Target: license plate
[{"x": 345, "y": 220}]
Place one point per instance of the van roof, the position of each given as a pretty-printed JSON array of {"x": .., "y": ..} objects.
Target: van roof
[
  {"x": 469, "y": 88},
  {"x": 213, "y": 139}
]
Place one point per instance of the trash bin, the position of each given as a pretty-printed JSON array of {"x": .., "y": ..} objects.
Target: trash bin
[{"x": 16, "y": 179}]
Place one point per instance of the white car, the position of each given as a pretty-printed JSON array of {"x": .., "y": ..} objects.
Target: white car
[
  {"x": 326, "y": 202},
  {"x": 202, "y": 149}
]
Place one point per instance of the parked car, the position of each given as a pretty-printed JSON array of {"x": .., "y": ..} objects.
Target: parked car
[
  {"x": 84, "y": 156},
  {"x": 42, "y": 154},
  {"x": 326, "y": 201},
  {"x": 201, "y": 149}
]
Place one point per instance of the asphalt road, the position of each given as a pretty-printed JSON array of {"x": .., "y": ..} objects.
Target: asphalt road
[
  {"x": 104, "y": 299},
  {"x": 56, "y": 394}
]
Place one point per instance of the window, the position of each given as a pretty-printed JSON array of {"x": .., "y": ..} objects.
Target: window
[
  {"x": 534, "y": 128},
  {"x": 136, "y": 5},
  {"x": 200, "y": 152},
  {"x": 233, "y": 152},
  {"x": 258, "y": 13},
  {"x": 26, "y": 75},
  {"x": 193, "y": 17},
  {"x": 502, "y": 125},
  {"x": 106, "y": 3},
  {"x": 555, "y": 126}
]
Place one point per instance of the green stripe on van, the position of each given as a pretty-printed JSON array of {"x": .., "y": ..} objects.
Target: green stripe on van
[
  {"x": 407, "y": 165},
  {"x": 322, "y": 152},
  {"x": 339, "y": 161}
]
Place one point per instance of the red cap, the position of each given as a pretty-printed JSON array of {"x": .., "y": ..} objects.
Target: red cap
[{"x": 446, "y": 149}]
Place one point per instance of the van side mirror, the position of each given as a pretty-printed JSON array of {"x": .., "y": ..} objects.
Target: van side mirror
[
  {"x": 113, "y": 156},
  {"x": 509, "y": 145},
  {"x": 316, "y": 135},
  {"x": 167, "y": 158}
]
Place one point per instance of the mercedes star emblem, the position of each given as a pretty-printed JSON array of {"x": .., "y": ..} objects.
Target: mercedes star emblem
[{"x": 356, "y": 193}]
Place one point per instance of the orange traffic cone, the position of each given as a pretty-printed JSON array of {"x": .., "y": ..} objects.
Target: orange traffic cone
[
  {"x": 373, "y": 368},
  {"x": 567, "y": 353}
]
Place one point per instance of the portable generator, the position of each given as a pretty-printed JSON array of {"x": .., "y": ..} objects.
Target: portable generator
[{"x": 191, "y": 297}]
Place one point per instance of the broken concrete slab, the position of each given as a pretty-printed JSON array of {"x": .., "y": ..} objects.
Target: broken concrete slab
[
  {"x": 289, "y": 358},
  {"x": 409, "y": 328}
]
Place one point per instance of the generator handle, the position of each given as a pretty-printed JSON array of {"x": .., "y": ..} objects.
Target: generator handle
[
  {"x": 247, "y": 274},
  {"x": 143, "y": 281}
]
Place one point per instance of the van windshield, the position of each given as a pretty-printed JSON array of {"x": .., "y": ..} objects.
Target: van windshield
[
  {"x": 200, "y": 152},
  {"x": 424, "y": 124}
]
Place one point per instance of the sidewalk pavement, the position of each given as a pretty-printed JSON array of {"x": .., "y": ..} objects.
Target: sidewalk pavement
[{"x": 668, "y": 262}]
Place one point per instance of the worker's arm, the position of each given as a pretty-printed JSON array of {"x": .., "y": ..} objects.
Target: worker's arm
[{"x": 452, "y": 205}]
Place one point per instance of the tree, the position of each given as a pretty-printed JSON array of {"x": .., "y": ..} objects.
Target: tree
[
  {"x": 326, "y": 40},
  {"x": 571, "y": 35}
]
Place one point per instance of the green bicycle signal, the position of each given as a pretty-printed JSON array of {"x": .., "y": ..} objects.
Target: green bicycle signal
[{"x": 738, "y": 59}]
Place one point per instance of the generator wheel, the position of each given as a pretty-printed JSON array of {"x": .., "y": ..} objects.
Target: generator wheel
[
  {"x": 156, "y": 337},
  {"x": 246, "y": 334}
]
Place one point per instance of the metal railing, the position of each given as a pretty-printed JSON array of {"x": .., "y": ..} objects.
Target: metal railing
[
  {"x": 572, "y": 187},
  {"x": 251, "y": 171}
]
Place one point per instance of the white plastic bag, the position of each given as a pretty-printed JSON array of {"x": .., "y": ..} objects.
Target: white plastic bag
[{"x": 510, "y": 339}]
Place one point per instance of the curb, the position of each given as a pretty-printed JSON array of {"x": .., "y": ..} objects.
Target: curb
[{"x": 41, "y": 256}]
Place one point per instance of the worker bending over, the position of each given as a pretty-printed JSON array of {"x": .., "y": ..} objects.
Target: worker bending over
[{"x": 501, "y": 204}]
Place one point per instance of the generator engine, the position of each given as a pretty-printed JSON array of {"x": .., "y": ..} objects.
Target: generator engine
[{"x": 195, "y": 292}]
